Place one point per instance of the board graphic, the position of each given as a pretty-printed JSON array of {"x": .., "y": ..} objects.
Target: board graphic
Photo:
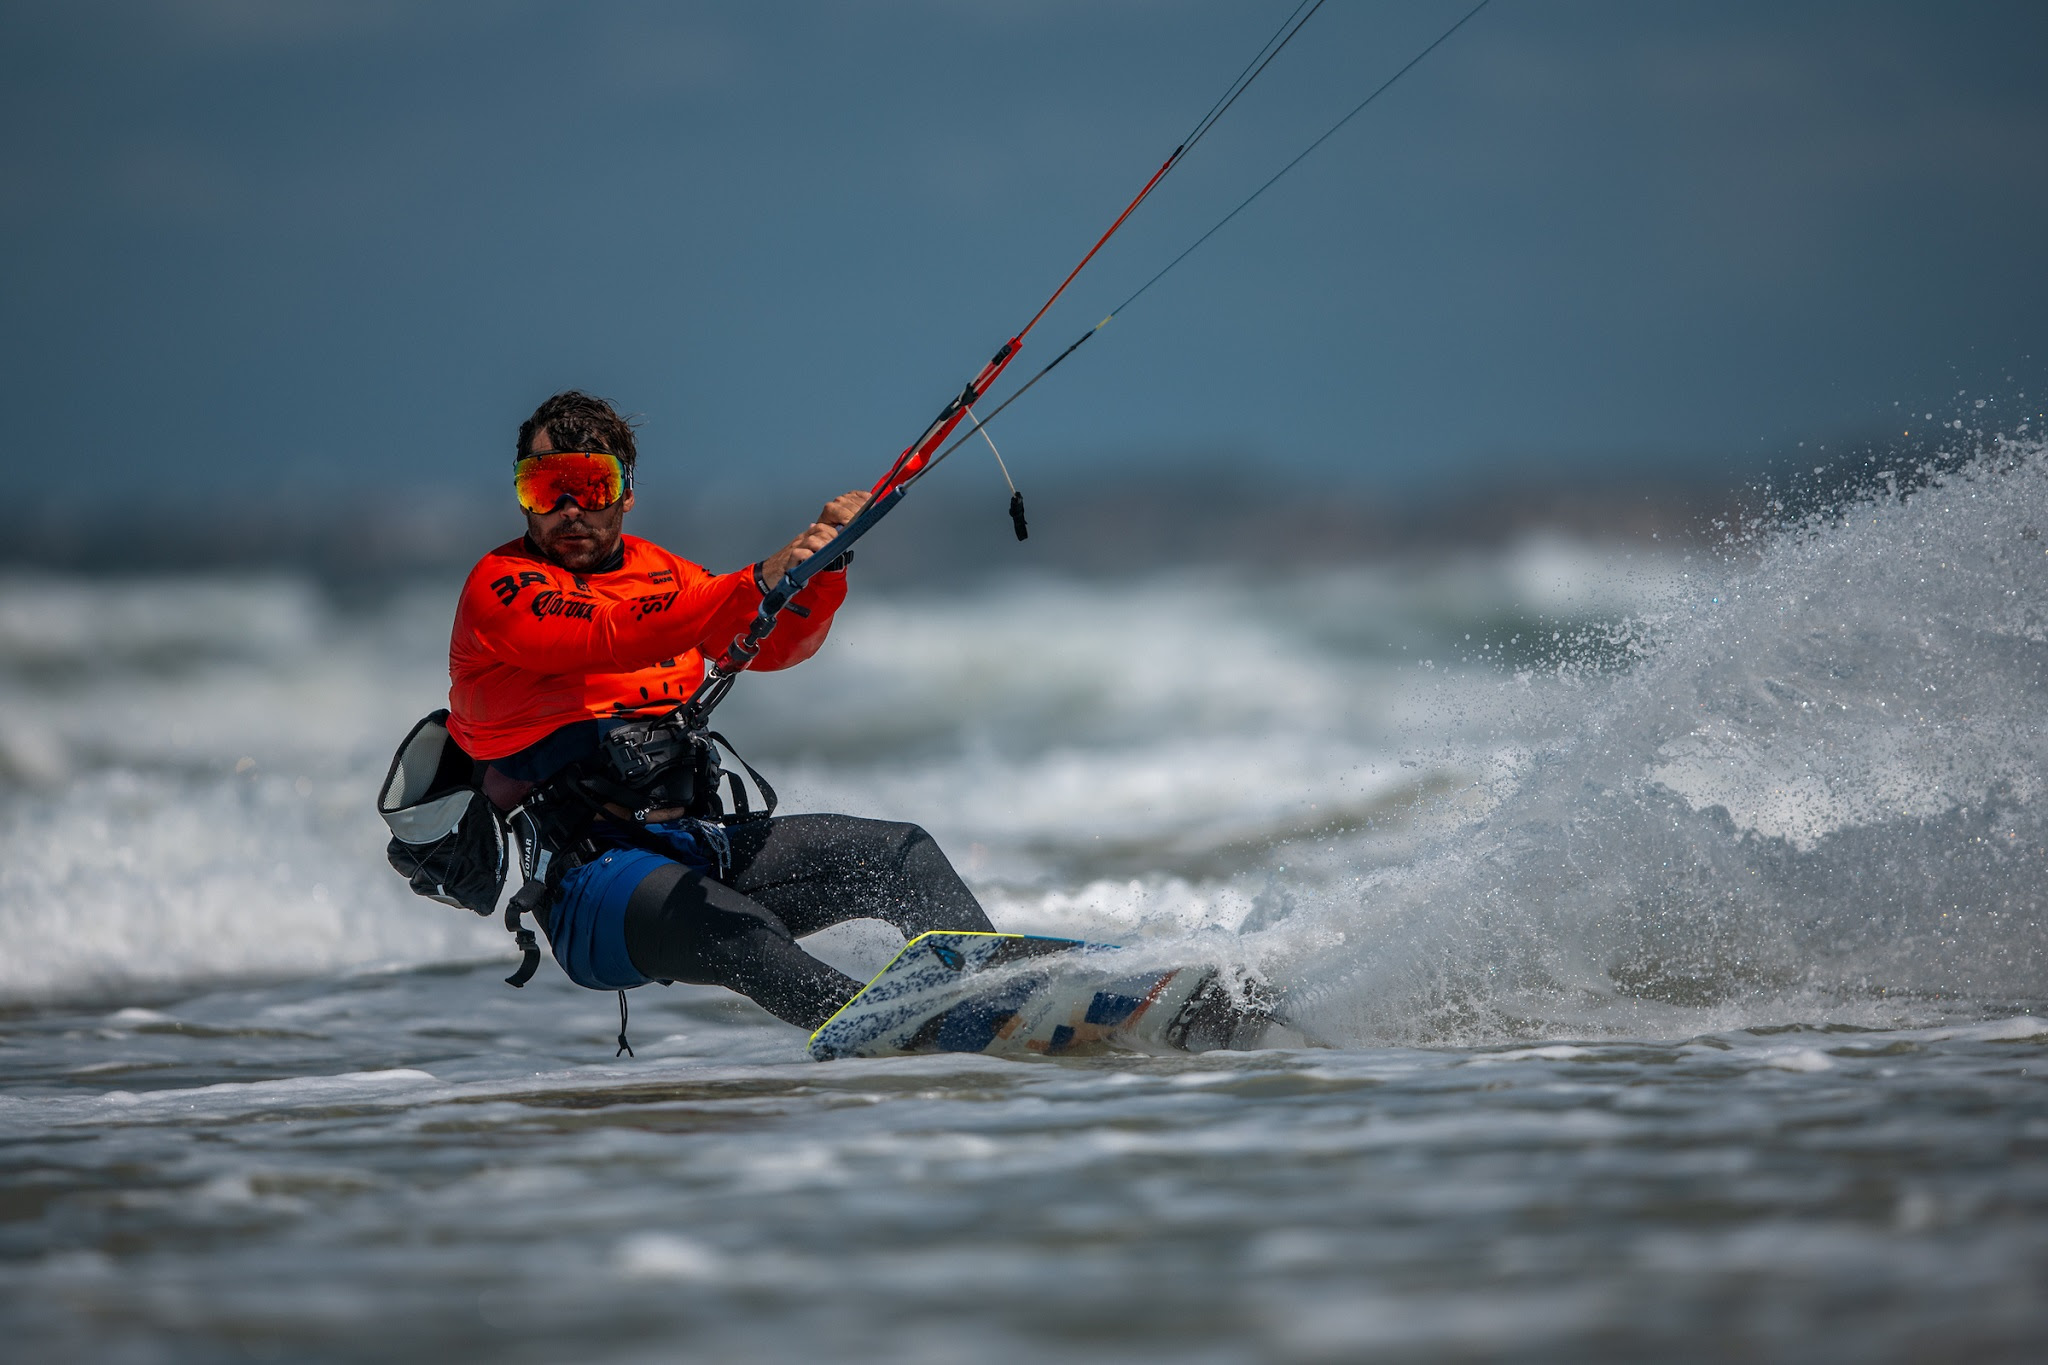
[{"x": 1021, "y": 995}]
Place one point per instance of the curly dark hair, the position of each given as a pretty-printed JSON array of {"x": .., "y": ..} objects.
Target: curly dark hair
[{"x": 577, "y": 421}]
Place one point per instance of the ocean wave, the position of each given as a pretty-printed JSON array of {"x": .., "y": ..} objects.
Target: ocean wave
[
  {"x": 1564, "y": 788},
  {"x": 1815, "y": 797}
]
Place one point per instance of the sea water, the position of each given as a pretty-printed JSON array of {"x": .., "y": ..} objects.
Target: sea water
[{"x": 1660, "y": 933}]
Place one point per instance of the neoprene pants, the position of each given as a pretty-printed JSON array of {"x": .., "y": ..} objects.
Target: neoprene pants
[{"x": 789, "y": 877}]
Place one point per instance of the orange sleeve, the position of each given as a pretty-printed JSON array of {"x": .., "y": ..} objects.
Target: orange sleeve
[
  {"x": 797, "y": 635},
  {"x": 551, "y": 628}
]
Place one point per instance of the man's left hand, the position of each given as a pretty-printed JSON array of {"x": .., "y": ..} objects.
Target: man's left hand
[{"x": 834, "y": 515}]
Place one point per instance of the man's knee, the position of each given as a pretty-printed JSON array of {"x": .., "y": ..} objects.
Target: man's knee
[
  {"x": 863, "y": 829},
  {"x": 861, "y": 841},
  {"x": 907, "y": 839}
]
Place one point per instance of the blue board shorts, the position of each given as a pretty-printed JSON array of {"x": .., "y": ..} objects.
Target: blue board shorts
[{"x": 587, "y": 926}]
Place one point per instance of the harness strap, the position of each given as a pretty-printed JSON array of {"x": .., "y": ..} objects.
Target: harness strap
[
  {"x": 527, "y": 900},
  {"x": 593, "y": 792},
  {"x": 609, "y": 790},
  {"x": 532, "y": 894},
  {"x": 739, "y": 796},
  {"x": 627, "y": 832}
]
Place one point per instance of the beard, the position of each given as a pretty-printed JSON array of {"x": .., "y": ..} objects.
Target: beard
[{"x": 576, "y": 545}]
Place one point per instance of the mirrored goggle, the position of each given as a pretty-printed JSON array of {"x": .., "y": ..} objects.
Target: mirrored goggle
[{"x": 593, "y": 478}]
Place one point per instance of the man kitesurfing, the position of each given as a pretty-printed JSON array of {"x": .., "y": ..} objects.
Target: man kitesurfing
[
  {"x": 585, "y": 666},
  {"x": 575, "y": 630}
]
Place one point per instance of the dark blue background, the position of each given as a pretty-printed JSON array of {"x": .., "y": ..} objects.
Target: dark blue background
[{"x": 251, "y": 248}]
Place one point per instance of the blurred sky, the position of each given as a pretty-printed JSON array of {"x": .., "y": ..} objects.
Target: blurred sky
[{"x": 257, "y": 246}]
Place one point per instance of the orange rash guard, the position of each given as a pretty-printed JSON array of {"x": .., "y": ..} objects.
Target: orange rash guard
[{"x": 537, "y": 647}]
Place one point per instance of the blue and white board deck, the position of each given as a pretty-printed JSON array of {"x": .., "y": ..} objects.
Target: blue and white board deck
[{"x": 1020, "y": 995}]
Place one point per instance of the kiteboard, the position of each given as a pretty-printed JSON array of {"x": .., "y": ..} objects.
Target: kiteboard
[{"x": 1022, "y": 995}]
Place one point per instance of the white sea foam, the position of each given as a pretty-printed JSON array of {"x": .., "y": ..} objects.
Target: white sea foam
[
  {"x": 1561, "y": 791},
  {"x": 664, "y": 1256},
  {"x": 1818, "y": 792},
  {"x": 187, "y": 765}
]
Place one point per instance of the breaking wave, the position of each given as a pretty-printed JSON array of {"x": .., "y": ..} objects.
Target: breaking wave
[
  {"x": 1563, "y": 789},
  {"x": 1817, "y": 796}
]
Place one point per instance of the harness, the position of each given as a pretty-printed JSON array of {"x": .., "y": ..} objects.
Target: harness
[{"x": 448, "y": 840}]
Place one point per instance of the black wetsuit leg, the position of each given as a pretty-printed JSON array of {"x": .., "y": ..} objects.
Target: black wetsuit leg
[
  {"x": 815, "y": 871},
  {"x": 791, "y": 877}
]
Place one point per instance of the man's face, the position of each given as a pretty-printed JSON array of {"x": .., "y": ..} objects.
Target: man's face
[{"x": 577, "y": 540}]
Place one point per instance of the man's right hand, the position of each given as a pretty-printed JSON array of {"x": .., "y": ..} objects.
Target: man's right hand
[{"x": 835, "y": 514}]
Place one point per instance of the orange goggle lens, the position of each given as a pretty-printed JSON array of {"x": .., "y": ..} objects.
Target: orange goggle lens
[{"x": 593, "y": 478}]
